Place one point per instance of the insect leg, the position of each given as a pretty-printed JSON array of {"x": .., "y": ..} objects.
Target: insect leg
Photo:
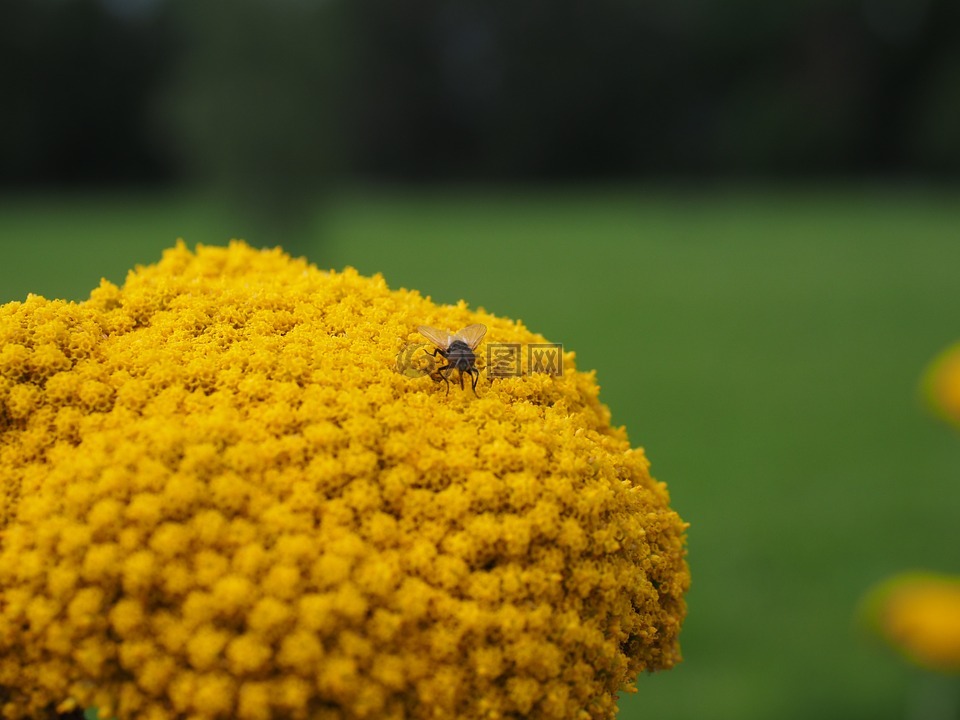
[
  {"x": 445, "y": 379},
  {"x": 437, "y": 352}
]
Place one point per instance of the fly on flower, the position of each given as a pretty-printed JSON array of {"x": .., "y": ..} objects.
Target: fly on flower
[{"x": 457, "y": 350}]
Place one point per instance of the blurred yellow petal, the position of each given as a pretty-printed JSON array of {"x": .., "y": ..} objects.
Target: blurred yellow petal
[
  {"x": 919, "y": 616},
  {"x": 941, "y": 384}
]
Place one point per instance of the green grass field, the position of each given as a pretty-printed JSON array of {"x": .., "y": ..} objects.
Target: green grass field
[{"x": 764, "y": 347}]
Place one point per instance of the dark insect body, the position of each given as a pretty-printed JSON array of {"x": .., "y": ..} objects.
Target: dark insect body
[{"x": 458, "y": 350}]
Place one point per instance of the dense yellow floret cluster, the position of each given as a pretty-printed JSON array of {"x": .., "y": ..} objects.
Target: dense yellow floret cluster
[{"x": 220, "y": 499}]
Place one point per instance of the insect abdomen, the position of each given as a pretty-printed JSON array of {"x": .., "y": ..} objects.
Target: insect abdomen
[{"x": 460, "y": 356}]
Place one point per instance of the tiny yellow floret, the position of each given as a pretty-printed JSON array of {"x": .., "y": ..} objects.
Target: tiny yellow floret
[{"x": 219, "y": 498}]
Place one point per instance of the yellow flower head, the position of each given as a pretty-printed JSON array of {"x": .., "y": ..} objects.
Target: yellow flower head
[
  {"x": 941, "y": 384},
  {"x": 220, "y": 499},
  {"x": 919, "y": 615}
]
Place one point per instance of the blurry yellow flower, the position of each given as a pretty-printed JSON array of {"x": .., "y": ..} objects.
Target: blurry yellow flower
[
  {"x": 220, "y": 499},
  {"x": 919, "y": 615},
  {"x": 941, "y": 384}
]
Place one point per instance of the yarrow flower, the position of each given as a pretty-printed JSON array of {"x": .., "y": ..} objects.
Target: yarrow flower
[
  {"x": 220, "y": 499},
  {"x": 918, "y": 614},
  {"x": 941, "y": 384}
]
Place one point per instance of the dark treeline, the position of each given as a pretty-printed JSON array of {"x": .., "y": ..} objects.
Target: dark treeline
[{"x": 98, "y": 91}]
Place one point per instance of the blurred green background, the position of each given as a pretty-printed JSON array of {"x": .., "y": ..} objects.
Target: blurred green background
[{"x": 743, "y": 215}]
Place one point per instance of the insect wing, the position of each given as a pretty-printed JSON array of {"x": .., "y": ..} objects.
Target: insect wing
[
  {"x": 472, "y": 335},
  {"x": 440, "y": 338}
]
